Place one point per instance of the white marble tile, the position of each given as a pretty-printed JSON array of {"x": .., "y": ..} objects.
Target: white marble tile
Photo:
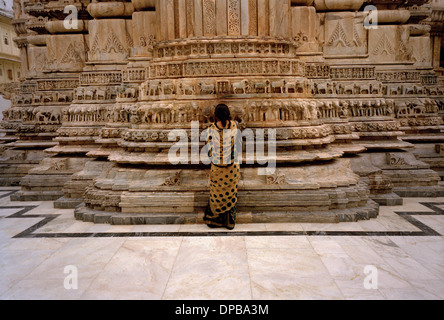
[
  {"x": 58, "y": 225},
  {"x": 391, "y": 222},
  {"x": 15, "y": 265},
  {"x": 409, "y": 268},
  {"x": 250, "y": 227},
  {"x": 142, "y": 244},
  {"x": 402, "y": 294},
  {"x": 140, "y": 269},
  {"x": 297, "y": 262},
  {"x": 210, "y": 268},
  {"x": 425, "y": 250},
  {"x": 97, "y": 228},
  {"x": 65, "y": 213},
  {"x": 354, "y": 290},
  {"x": 280, "y": 286},
  {"x": 372, "y": 225},
  {"x": 388, "y": 277},
  {"x": 362, "y": 254},
  {"x": 385, "y": 247},
  {"x": 44, "y": 289},
  {"x": 11, "y": 227},
  {"x": 325, "y": 246},
  {"x": 31, "y": 244},
  {"x": 157, "y": 228},
  {"x": 117, "y": 228},
  {"x": 348, "y": 240},
  {"x": 241, "y": 267},
  {"x": 77, "y": 227},
  {"x": 435, "y": 269},
  {"x": 434, "y": 222},
  {"x": 199, "y": 228},
  {"x": 413, "y": 204},
  {"x": 4, "y": 212},
  {"x": 89, "y": 256},
  {"x": 343, "y": 268},
  {"x": 284, "y": 227},
  {"x": 291, "y": 242},
  {"x": 430, "y": 289}
]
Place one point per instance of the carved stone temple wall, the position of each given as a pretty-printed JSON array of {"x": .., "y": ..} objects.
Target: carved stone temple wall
[{"x": 356, "y": 108}]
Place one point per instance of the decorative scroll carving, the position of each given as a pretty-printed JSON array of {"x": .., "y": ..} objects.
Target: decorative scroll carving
[
  {"x": 233, "y": 17},
  {"x": 395, "y": 160},
  {"x": 101, "y": 78},
  {"x": 175, "y": 180},
  {"x": 276, "y": 179}
]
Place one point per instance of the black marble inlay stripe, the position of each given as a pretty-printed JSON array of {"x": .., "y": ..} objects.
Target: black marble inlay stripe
[
  {"x": 31, "y": 232},
  {"x": 7, "y": 194}
]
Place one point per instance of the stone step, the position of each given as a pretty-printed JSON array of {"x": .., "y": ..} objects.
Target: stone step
[
  {"x": 36, "y": 195},
  {"x": 420, "y": 191},
  {"x": 368, "y": 211},
  {"x": 67, "y": 203}
]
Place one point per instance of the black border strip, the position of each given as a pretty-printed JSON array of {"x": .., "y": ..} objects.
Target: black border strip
[
  {"x": 408, "y": 216},
  {"x": 8, "y": 193}
]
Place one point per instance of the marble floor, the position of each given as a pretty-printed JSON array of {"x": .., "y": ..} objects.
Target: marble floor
[{"x": 46, "y": 254}]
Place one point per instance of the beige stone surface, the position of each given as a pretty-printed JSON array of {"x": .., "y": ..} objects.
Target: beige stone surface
[
  {"x": 121, "y": 262},
  {"x": 309, "y": 72}
]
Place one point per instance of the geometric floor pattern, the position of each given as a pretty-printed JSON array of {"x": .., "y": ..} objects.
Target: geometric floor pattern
[{"x": 401, "y": 253}]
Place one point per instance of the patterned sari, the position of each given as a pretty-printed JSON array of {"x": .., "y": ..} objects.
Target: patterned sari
[{"x": 224, "y": 176}]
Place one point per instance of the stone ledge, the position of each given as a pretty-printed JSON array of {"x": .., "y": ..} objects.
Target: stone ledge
[
  {"x": 36, "y": 195},
  {"x": 390, "y": 199},
  {"x": 67, "y": 203},
  {"x": 420, "y": 191},
  {"x": 10, "y": 181},
  {"x": 369, "y": 211}
]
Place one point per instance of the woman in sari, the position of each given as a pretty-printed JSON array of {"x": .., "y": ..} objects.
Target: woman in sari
[{"x": 222, "y": 140}]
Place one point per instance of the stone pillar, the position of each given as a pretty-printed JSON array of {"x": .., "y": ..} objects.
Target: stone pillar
[
  {"x": 234, "y": 17},
  {"x": 143, "y": 32},
  {"x": 279, "y": 14},
  {"x": 420, "y": 45},
  {"x": 111, "y": 41},
  {"x": 344, "y": 34},
  {"x": 60, "y": 64},
  {"x": 208, "y": 18},
  {"x": 249, "y": 19},
  {"x": 181, "y": 19},
  {"x": 28, "y": 135},
  {"x": 263, "y": 13},
  {"x": 437, "y": 45},
  {"x": 304, "y": 28},
  {"x": 222, "y": 18}
]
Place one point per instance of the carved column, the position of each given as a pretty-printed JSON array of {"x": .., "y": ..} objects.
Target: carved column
[
  {"x": 240, "y": 53},
  {"x": 65, "y": 55},
  {"x": 209, "y": 18},
  {"x": 32, "y": 129},
  {"x": 279, "y": 13},
  {"x": 425, "y": 133},
  {"x": 394, "y": 49}
]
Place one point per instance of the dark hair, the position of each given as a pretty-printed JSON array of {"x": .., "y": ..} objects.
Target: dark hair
[{"x": 222, "y": 113}]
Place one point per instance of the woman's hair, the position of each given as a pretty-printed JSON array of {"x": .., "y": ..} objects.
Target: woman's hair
[{"x": 222, "y": 113}]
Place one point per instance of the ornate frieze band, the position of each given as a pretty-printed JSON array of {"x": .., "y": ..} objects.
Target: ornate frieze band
[
  {"x": 101, "y": 78},
  {"x": 227, "y": 67},
  {"x": 225, "y": 48},
  {"x": 57, "y": 84}
]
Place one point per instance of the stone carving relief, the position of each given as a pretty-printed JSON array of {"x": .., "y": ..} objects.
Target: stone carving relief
[
  {"x": 276, "y": 179},
  {"x": 175, "y": 180},
  {"x": 306, "y": 69},
  {"x": 158, "y": 89}
]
